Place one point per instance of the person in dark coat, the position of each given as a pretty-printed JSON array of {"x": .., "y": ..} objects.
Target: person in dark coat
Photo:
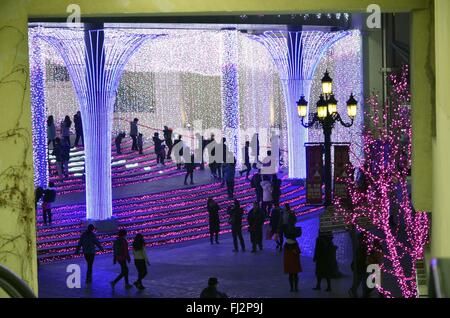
[
  {"x": 88, "y": 241},
  {"x": 190, "y": 168},
  {"x": 235, "y": 219},
  {"x": 248, "y": 166},
  {"x": 167, "y": 132},
  {"x": 159, "y": 149},
  {"x": 256, "y": 184},
  {"x": 121, "y": 256},
  {"x": 78, "y": 128},
  {"x": 134, "y": 133},
  {"x": 359, "y": 264},
  {"x": 291, "y": 257},
  {"x": 48, "y": 198},
  {"x": 214, "y": 220},
  {"x": 57, "y": 152},
  {"x": 140, "y": 144},
  {"x": 65, "y": 154},
  {"x": 38, "y": 194},
  {"x": 178, "y": 155},
  {"x": 51, "y": 131},
  {"x": 229, "y": 171},
  {"x": 275, "y": 224},
  {"x": 118, "y": 142},
  {"x": 255, "y": 220},
  {"x": 211, "y": 291},
  {"x": 65, "y": 129},
  {"x": 276, "y": 189},
  {"x": 323, "y": 257}
]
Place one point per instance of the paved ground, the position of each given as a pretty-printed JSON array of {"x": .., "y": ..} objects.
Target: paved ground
[{"x": 182, "y": 270}]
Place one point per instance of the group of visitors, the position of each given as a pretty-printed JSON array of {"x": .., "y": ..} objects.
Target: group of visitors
[
  {"x": 61, "y": 145},
  {"x": 267, "y": 190},
  {"x": 88, "y": 243},
  {"x": 65, "y": 131}
]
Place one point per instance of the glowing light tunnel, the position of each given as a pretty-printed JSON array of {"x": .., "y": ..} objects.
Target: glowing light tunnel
[
  {"x": 296, "y": 55},
  {"x": 95, "y": 60}
]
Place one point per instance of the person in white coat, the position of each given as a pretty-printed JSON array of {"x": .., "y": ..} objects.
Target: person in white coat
[{"x": 267, "y": 188}]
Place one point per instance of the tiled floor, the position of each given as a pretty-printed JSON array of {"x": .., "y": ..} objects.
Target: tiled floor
[{"x": 178, "y": 271}]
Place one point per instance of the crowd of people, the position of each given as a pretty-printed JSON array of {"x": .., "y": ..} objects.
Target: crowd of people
[{"x": 282, "y": 221}]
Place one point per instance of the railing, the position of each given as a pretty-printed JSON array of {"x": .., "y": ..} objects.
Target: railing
[{"x": 14, "y": 286}]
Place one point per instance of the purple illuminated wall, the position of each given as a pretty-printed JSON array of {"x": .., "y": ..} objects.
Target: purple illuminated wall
[{"x": 95, "y": 64}]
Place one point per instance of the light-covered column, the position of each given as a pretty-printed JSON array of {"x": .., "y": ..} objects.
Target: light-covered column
[
  {"x": 38, "y": 112},
  {"x": 230, "y": 90},
  {"x": 95, "y": 61}
]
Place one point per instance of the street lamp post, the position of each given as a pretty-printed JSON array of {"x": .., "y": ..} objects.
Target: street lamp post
[{"x": 327, "y": 116}]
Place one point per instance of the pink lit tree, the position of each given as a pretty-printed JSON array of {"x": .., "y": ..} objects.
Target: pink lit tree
[{"x": 379, "y": 204}]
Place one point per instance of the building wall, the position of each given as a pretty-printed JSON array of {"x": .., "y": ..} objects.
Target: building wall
[{"x": 441, "y": 140}]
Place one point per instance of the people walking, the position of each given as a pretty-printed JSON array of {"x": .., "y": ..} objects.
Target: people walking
[
  {"x": 159, "y": 149},
  {"x": 275, "y": 226},
  {"x": 48, "y": 198},
  {"x": 235, "y": 213},
  {"x": 140, "y": 144},
  {"x": 134, "y": 133},
  {"x": 65, "y": 129},
  {"x": 51, "y": 131},
  {"x": 65, "y": 156},
  {"x": 118, "y": 142},
  {"x": 140, "y": 259},
  {"x": 266, "y": 186},
  {"x": 179, "y": 151},
  {"x": 168, "y": 140},
  {"x": 190, "y": 168},
  {"x": 256, "y": 184},
  {"x": 78, "y": 128},
  {"x": 214, "y": 220},
  {"x": 323, "y": 257},
  {"x": 276, "y": 189},
  {"x": 121, "y": 256},
  {"x": 255, "y": 220},
  {"x": 88, "y": 241},
  {"x": 291, "y": 257},
  {"x": 359, "y": 265},
  {"x": 229, "y": 174},
  {"x": 57, "y": 152},
  {"x": 248, "y": 166}
]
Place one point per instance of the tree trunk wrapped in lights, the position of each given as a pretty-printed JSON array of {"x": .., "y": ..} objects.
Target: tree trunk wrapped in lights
[{"x": 380, "y": 195}]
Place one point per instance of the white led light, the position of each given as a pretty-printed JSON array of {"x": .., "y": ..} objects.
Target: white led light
[
  {"x": 75, "y": 169},
  {"x": 147, "y": 168},
  {"x": 132, "y": 165},
  {"x": 76, "y": 164},
  {"x": 118, "y": 163}
]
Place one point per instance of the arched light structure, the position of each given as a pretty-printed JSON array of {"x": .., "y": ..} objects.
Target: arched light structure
[
  {"x": 296, "y": 55},
  {"x": 95, "y": 60}
]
